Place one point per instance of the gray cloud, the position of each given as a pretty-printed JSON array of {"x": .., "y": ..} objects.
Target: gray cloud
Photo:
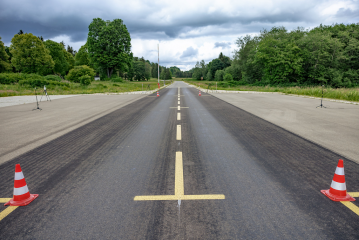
[
  {"x": 189, "y": 52},
  {"x": 142, "y": 20},
  {"x": 222, "y": 45}
]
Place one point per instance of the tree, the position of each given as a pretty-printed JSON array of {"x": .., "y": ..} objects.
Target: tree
[
  {"x": 216, "y": 64},
  {"x": 5, "y": 66},
  {"x": 41, "y": 38},
  {"x": 29, "y": 54},
  {"x": 219, "y": 75},
  {"x": 147, "y": 71},
  {"x": 69, "y": 59},
  {"x": 82, "y": 57},
  {"x": 109, "y": 45},
  {"x": 57, "y": 53},
  {"x": 20, "y": 32},
  {"x": 79, "y": 71},
  {"x": 139, "y": 70},
  {"x": 228, "y": 77}
]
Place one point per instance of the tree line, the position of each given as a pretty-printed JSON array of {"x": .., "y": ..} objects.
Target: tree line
[
  {"x": 323, "y": 55},
  {"x": 107, "y": 51}
]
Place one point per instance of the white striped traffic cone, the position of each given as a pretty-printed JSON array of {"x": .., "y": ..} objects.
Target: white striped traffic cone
[
  {"x": 22, "y": 196},
  {"x": 199, "y": 94},
  {"x": 158, "y": 94},
  {"x": 338, "y": 188}
]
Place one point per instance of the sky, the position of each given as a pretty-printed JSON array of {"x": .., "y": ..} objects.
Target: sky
[{"x": 187, "y": 31}]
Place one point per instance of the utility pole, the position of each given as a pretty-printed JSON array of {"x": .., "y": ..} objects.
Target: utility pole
[{"x": 158, "y": 70}]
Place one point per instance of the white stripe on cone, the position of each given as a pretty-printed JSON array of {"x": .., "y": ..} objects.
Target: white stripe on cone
[
  {"x": 21, "y": 190},
  {"x": 338, "y": 186},
  {"x": 19, "y": 175},
  {"x": 339, "y": 171}
]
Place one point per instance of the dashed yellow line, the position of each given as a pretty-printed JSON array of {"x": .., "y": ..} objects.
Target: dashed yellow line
[
  {"x": 179, "y": 188},
  {"x": 178, "y": 135},
  {"x": 7, "y": 210},
  {"x": 179, "y": 185}
]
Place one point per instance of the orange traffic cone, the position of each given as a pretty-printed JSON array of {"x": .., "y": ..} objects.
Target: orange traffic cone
[
  {"x": 338, "y": 188},
  {"x": 22, "y": 196},
  {"x": 199, "y": 94},
  {"x": 158, "y": 94}
]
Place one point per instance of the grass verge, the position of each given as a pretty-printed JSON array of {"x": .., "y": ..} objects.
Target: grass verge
[
  {"x": 346, "y": 94},
  {"x": 75, "y": 88}
]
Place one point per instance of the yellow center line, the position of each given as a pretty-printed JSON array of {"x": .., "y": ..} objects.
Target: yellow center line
[
  {"x": 179, "y": 188},
  {"x": 178, "y": 135},
  {"x": 7, "y": 210},
  {"x": 178, "y": 116},
  {"x": 179, "y": 185}
]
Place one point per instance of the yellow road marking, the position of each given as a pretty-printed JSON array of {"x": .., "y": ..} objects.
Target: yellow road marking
[
  {"x": 7, "y": 210},
  {"x": 178, "y": 116},
  {"x": 178, "y": 102},
  {"x": 179, "y": 188},
  {"x": 179, "y": 185},
  {"x": 351, "y": 205},
  {"x": 178, "y": 135}
]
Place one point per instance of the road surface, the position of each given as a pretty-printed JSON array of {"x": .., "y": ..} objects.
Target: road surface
[{"x": 203, "y": 170}]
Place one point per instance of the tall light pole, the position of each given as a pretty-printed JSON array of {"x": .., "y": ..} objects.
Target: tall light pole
[{"x": 158, "y": 70}]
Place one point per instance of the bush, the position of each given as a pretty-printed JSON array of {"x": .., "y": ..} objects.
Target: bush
[
  {"x": 41, "y": 82},
  {"x": 117, "y": 79},
  {"x": 9, "y": 78},
  {"x": 53, "y": 78},
  {"x": 79, "y": 71},
  {"x": 228, "y": 77},
  {"x": 85, "y": 80},
  {"x": 115, "y": 85}
]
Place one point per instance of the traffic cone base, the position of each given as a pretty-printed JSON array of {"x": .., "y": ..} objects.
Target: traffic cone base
[
  {"x": 337, "y": 198},
  {"x": 22, "y": 202},
  {"x": 338, "y": 188}
]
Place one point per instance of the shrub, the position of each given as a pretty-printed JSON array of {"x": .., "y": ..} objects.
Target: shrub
[
  {"x": 41, "y": 82},
  {"x": 85, "y": 80},
  {"x": 115, "y": 85},
  {"x": 53, "y": 78},
  {"x": 9, "y": 78},
  {"x": 117, "y": 79},
  {"x": 228, "y": 77},
  {"x": 79, "y": 71}
]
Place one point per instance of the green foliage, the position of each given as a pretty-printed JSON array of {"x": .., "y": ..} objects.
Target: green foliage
[
  {"x": 11, "y": 78},
  {"x": 29, "y": 55},
  {"x": 82, "y": 57},
  {"x": 109, "y": 45},
  {"x": 209, "y": 76},
  {"x": 40, "y": 82},
  {"x": 228, "y": 77},
  {"x": 79, "y": 71},
  {"x": 324, "y": 55},
  {"x": 58, "y": 55},
  {"x": 166, "y": 74},
  {"x": 117, "y": 79},
  {"x": 53, "y": 78},
  {"x": 5, "y": 65},
  {"x": 219, "y": 75},
  {"x": 85, "y": 80},
  {"x": 69, "y": 59}
]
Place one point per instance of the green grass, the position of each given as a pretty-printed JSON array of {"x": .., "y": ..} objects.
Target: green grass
[
  {"x": 76, "y": 88},
  {"x": 347, "y": 94}
]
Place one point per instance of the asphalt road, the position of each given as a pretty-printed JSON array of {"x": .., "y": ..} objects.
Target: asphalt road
[{"x": 88, "y": 178}]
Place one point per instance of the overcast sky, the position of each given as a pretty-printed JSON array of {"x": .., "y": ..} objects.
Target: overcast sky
[{"x": 187, "y": 30}]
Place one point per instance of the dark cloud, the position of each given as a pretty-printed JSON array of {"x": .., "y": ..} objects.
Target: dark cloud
[
  {"x": 189, "y": 52},
  {"x": 222, "y": 45}
]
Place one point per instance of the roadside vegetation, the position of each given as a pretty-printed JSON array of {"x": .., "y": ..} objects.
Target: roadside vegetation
[{"x": 346, "y": 94}]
